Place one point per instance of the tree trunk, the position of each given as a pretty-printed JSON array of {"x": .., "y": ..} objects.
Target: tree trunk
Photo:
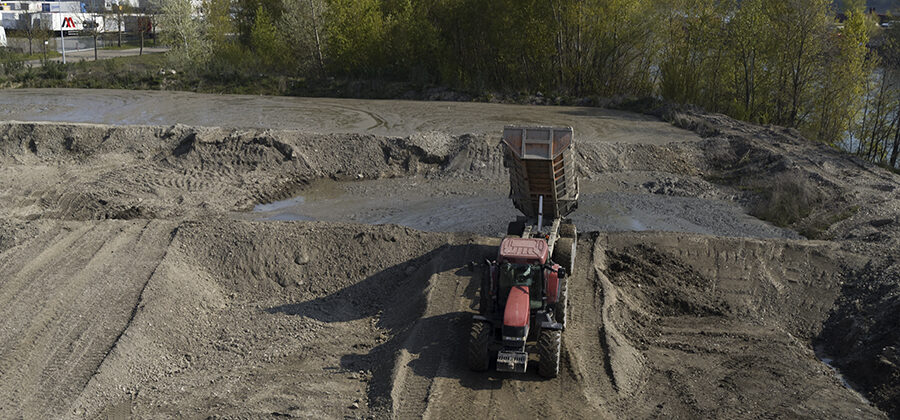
[
  {"x": 315, "y": 22},
  {"x": 896, "y": 149},
  {"x": 119, "y": 26},
  {"x": 142, "y": 44},
  {"x": 95, "y": 46}
]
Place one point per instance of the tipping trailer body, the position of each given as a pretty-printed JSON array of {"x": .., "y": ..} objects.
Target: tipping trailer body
[{"x": 541, "y": 162}]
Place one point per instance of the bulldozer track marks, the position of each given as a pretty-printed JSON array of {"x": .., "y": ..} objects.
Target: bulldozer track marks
[{"x": 87, "y": 282}]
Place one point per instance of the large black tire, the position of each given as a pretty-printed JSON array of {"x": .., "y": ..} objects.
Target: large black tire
[
  {"x": 564, "y": 254},
  {"x": 549, "y": 344},
  {"x": 515, "y": 229},
  {"x": 479, "y": 346},
  {"x": 562, "y": 302}
]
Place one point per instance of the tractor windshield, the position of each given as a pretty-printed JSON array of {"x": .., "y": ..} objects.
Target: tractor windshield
[{"x": 518, "y": 274}]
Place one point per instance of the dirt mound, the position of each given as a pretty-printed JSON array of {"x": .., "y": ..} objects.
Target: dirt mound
[
  {"x": 224, "y": 321},
  {"x": 824, "y": 193},
  {"x": 675, "y": 288},
  {"x": 697, "y": 317},
  {"x": 85, "y": 172}
]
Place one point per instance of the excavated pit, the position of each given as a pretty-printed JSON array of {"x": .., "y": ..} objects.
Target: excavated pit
[{"x": 137, "y": 279}]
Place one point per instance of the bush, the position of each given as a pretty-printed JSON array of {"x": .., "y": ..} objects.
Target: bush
[
  {"x": 787, "y": 199},
  {"x": 10, "y": 61}
]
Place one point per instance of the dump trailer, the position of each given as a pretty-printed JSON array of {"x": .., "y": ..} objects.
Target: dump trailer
[{"x": 524, "y": 293}]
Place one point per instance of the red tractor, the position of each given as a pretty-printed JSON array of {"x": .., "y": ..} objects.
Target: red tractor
[{"x": 523, "y": 293}]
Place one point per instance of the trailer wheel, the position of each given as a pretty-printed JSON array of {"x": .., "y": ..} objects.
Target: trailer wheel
[
  {"x": 479, "y": 346},
  {"x": 567, "y": 230},
  {"x": 515, "y": 229},
  {"x": 549, "y": 345},
  {"x": 564, "y": 254}
]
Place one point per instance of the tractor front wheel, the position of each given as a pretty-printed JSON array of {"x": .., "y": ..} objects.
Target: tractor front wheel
[
  {"x": 564, "y": 254},
  {"x": 549, "y": 345},
  {"x": 479, "y": 346}
]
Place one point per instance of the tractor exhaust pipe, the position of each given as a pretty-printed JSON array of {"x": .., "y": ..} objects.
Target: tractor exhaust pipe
[{"x": 540, "y": 212}]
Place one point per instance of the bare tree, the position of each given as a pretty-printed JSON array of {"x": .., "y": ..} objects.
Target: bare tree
[
  {"x": 302, "y": 22},
  {"x": 29, "y": 29},
  {"x": 118, "y": 15},
  {"x": 144, "y": 26}
]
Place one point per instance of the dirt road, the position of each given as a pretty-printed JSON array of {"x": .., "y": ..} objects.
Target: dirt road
[
  {"x": 136, "y": 280},
  {"x": 322, "y": 115}
]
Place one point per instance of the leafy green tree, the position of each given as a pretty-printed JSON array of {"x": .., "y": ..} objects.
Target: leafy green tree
[
  {"x": 183, "y": 32},
  {"x": 217, "y": 21},
  {"x": 356, "y": 34},
  {"x": 751, "y": 47},
  {"x": 800, "y": 31},
  {"x": 842, "y": 80},
  {"x": 302, "y": 25},
  {"x": 693, "y": 49},
  {"x": 266, "y": 42}
]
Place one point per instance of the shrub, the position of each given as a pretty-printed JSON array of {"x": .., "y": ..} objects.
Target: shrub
[{"x": 787, "y": 199}]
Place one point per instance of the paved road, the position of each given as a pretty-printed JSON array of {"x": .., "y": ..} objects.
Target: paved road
[{"x": 82, "y": 55}]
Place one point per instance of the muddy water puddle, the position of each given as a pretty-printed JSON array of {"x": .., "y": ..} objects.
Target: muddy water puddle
[{"x": 453, "y": 206}]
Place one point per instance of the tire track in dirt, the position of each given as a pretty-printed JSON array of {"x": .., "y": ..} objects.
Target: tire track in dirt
[
  {"x": 66, "y": 307},
  {"x": 433, "y": 380}
]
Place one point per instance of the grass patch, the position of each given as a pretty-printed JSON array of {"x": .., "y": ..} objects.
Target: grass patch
[
  {"x": 28, "y": 57},
  {"x": 130, "y": 45}
]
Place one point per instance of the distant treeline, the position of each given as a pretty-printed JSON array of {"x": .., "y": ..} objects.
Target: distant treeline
[{"x": 785, "y": 62}]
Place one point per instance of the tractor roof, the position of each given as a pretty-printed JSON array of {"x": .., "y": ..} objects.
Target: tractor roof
[{"x": 524, "y": 250}]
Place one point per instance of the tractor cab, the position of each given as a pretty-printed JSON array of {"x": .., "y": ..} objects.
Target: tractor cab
[
  {"x": 521, "y": 263},
  {"x": 525, "y": 275}
]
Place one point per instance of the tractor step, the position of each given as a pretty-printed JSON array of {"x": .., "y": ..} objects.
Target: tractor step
[{"x": 512, "y": 361}]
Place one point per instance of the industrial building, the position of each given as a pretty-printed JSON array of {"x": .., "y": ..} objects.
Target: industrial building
[{"x": 59, "y": 15}]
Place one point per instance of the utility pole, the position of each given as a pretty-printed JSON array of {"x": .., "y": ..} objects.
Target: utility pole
[{"x": 62, "y": 32}]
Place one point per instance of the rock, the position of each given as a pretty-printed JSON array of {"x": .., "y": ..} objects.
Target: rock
[{"x": 301, "y": 257}]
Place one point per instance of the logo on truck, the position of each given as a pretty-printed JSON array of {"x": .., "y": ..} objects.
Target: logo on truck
[{"x": 68, "y": 23}]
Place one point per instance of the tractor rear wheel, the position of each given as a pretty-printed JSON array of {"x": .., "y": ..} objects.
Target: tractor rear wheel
[
  {"x": 562, "y": 302},
  {"x": 549, "y": 345},
  {"x": 479, "y": 346},
  {"x": 564, "y": 254}
]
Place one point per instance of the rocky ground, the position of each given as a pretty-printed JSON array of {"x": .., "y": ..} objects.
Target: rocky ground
[{"x": 135, "y": 279}]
